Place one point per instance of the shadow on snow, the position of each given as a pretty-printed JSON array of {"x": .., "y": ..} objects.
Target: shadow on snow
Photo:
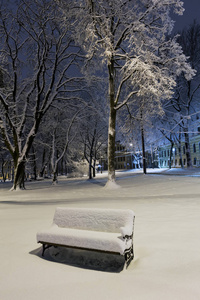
[{"x": 84, "y": 259}]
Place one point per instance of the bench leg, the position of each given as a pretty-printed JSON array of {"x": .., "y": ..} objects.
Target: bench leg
[
  {"x": 129, "y": 255},
  {"x": 44, "y": 247}
]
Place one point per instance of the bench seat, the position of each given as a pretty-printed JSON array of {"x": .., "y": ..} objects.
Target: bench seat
[{"x": 104, "y": 241}]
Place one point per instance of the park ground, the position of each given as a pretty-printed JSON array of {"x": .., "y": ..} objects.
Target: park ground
[{"x": 166, "y": 239}]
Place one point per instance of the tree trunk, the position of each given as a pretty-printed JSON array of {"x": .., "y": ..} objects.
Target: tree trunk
[
  {"x": 2, "y": 169},
  {"x": 180, "y": 155},
  {"x": 143, "y": 151},
  {"x": 187, "y": 148},
  {"x": 143, "y": 144},
  {"x": 34, "y": 166},
  {"x": 179, "y": 149},
  {"x": 42, "y": 171},
  {"x": 171, "y": 154},
  {"x": 54, "y": 167},
  {"x": 19, "y": 175},
  {"x": 61, "y": 166},
  {"x": 43, "y": 163},
  {"x": 55, "y": 177},
  {"x": 94, "y": 168},
  {"x": 90, "y": 168},
  {"x": 111, "y": 127},
  {"x": 111, "y": 145}
]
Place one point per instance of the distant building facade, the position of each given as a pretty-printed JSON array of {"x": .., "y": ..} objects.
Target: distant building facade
[
  {"x": 164, "y": 154},
  {"x": 126, "y": 159}
]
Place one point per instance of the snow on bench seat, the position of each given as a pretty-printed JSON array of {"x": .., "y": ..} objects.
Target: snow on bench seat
[
  {"x": 105, "y": 241},
  {"x": 109, "y": 230}
]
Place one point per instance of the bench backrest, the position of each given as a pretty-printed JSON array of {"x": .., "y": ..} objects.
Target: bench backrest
[{"x": 107, "y": 220}]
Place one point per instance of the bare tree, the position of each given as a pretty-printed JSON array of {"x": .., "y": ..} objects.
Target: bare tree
[
  {"x": 188, "y": 90},
  {"x": 36, "y": 54},
  {"x": 183, "y": 109},
  {"x": 129, "y": 39},
  {"x": 62, "y": 136},
  {"x": 93, "y": 136}
]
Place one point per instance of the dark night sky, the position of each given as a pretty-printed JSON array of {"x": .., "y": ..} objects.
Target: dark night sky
[{"x": 192, "y": 11}]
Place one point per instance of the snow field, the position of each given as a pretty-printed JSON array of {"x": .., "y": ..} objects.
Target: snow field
[{"x": 166, "y": 240}]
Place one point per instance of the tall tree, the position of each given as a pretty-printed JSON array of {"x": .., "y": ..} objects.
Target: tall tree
[
  {"x": 62, "y": 136},
  {"x": 188, "y": 90},
  {"x": 183, "y": 109},
  {"x": 129, "y": 37},
  {"x": 36, "y": 53}
]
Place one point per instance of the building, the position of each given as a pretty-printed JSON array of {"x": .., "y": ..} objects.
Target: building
[
  {"x": 127, "y": 159},
  {"x": 164, "y": 154}
]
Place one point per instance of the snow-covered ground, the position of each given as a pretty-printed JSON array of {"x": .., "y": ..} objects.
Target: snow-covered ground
[{"x": 166, "y": 240}]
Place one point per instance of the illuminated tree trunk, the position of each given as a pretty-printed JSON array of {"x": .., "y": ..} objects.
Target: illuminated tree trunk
[
  {"x": 112, "y": 125},
  {"x": 143, "y": 150},
  {"x": 187, "y": 148}
]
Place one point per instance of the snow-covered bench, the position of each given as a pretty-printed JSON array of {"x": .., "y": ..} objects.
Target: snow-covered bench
[{"x": 104, "y": 230}]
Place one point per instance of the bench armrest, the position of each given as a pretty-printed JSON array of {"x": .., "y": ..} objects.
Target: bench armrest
[{"x": 126, "y": 232}]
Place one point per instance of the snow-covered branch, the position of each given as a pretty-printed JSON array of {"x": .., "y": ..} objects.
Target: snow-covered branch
[{"x": 126, "y": 100}]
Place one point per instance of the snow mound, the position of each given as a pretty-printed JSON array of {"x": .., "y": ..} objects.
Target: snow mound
[{"x": 111, "y": 185}]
